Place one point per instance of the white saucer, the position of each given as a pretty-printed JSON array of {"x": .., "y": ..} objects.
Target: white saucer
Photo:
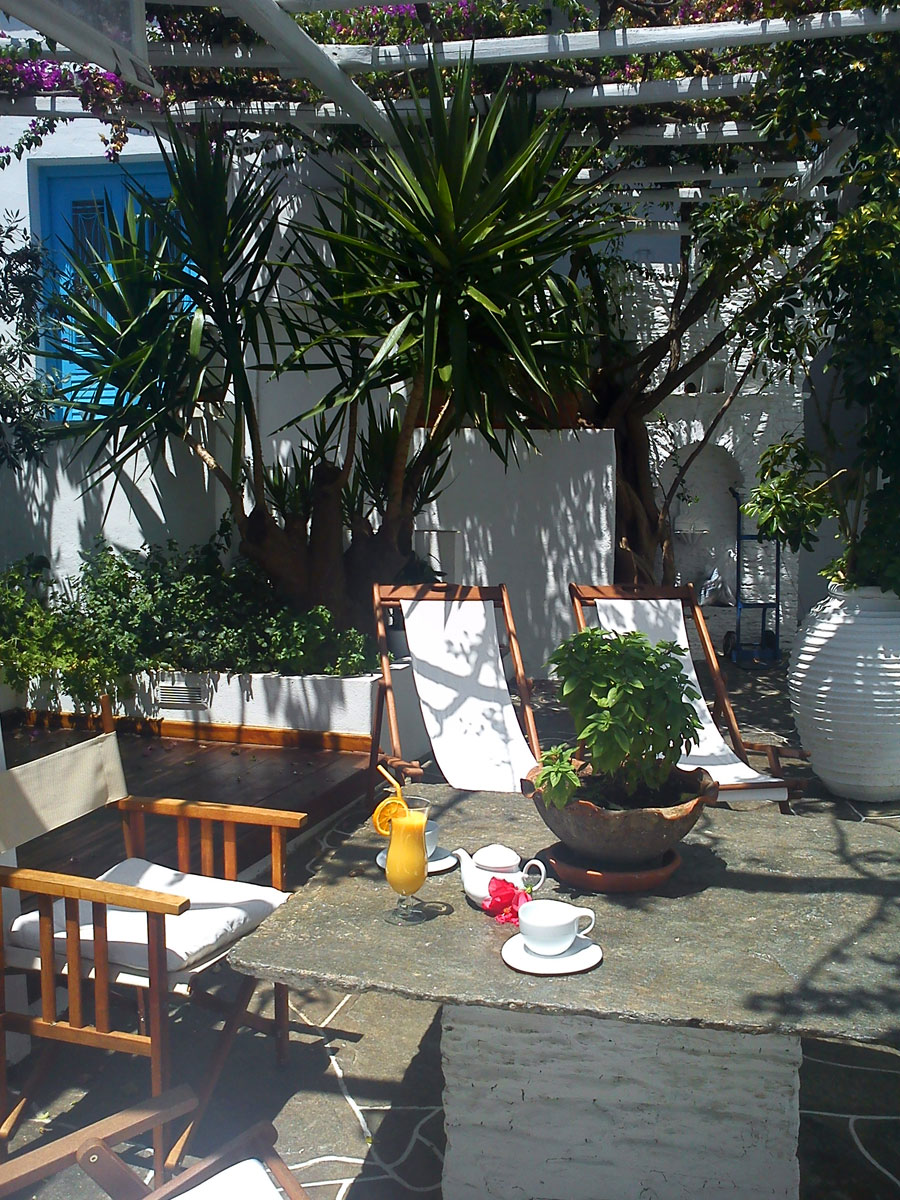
[
  {"x": 441, "y": 860},
  {"x": 580, "y": 956}
]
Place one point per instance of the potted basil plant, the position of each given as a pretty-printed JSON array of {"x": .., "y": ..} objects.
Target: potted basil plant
[{"x": 620, "y": 798}]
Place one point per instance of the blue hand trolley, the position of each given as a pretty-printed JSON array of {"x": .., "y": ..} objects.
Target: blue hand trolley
[{"x": 768, "y": 647}]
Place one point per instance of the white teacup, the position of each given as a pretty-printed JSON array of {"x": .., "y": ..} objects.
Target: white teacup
[
  {"x": 550, "y": 926},
  {"x": 431, "y": 837}
]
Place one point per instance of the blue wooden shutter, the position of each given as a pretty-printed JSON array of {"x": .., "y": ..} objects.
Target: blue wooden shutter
[{"x": 73, "y": 208}]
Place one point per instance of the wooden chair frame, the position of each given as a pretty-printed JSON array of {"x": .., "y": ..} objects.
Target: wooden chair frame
[
  {"x": 584, "y": 595},
  {"x": 92, "y": 1150},
  {"x": 95, "y": 978},
  {"x": 387, "y": 598}
]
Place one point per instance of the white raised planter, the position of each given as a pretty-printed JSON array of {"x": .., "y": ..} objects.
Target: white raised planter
[
  {"x": 314, "y": 703},
  {"x": 844, "y": 685}
]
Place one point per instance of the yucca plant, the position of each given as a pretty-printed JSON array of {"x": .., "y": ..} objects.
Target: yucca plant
[
  {"x": 444, "y": 275},
  {"x": 162, "y": 311}
]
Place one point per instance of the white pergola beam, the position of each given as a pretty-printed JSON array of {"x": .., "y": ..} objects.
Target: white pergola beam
[
  {"x": 711, "y": 133},
  {"x": 657, "y": 91},
  {"x": 308, "y": 60},
  {"x": 750, "y": 171},
  {"x": 693, "y": 195},
  {"x": 234, "y": 58},
  {"x": 615, "y": 43},
  {"x": 827, "y": 165},
  {"x": 606, "y": 43},
  {"x": 654, "y": 91}
]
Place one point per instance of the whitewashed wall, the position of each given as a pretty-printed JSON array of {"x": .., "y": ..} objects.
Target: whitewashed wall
[
  {"x": 761, "y": 415},
  {"x": 535, "y": 527},
  {"x": 49, "y": 512},
  {"x": 705, "y": 527}
]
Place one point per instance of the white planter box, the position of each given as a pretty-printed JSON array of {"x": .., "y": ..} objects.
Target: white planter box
[{"x": 315, "y": 703}]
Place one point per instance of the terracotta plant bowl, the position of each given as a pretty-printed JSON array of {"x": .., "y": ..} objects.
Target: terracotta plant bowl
[{"x": 630, "y": 837}]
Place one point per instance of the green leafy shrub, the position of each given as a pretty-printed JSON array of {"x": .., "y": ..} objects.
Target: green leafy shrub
[
  {"x": 39, "y": 640},
  {"x": 160, "y": 608},
  {"x": 631, "y": 704}
]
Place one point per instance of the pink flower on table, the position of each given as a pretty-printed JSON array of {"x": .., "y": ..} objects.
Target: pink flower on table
[{"x": 504, "y": 900}]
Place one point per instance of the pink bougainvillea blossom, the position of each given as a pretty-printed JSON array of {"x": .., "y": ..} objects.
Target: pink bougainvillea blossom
[{"x": 504, "y": 900}]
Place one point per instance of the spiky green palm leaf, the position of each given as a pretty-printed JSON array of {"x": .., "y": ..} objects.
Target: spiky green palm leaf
[
  {"x": 177, "y": 293},
  {"x": 450, "y": 263}
]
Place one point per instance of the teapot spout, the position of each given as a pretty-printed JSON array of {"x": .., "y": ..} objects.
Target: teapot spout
[{"x": 464, "y": 857}]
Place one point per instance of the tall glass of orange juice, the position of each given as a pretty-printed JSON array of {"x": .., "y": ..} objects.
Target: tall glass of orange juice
[{"x": 406, "y": 867}]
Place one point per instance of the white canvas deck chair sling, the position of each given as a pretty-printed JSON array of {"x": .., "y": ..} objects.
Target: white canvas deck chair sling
[
  {"x": 139, "y": 926},
  {"x": 243, "y": 1169},
  {"x": 660, "y": 613},
  {"x": 475, "y": 735}
]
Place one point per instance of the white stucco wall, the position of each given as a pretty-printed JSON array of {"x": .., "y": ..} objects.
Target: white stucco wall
[
  {"x": 705, "y": 528},
  {"x": 534, "y": 527},
  {"x": 761, "y": 414},
  {"x": 49, "y": 512}
]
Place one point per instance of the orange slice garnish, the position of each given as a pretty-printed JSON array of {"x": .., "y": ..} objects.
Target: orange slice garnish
[{"x": 386, "y": 811}]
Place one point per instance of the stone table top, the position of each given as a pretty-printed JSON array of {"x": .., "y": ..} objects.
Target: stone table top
[{"x": 772, "y": 923}]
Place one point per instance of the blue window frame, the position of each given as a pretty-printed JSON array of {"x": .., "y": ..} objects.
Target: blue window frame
[{"x": 72, "y": 203}]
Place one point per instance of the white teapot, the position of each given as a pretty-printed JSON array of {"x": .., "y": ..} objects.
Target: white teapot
[{"x": 498, "y": 862}]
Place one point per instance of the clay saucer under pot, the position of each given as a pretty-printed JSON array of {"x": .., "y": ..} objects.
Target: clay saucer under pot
[{"x": 629, "y": 849}]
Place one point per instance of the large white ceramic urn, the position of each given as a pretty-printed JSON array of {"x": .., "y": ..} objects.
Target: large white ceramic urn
[{"x": 845, "y": 692}]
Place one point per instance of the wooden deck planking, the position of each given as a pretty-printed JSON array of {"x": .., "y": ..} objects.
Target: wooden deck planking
[{"x": 317, "y": 782}]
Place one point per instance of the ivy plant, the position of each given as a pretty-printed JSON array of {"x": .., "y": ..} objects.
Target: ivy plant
[{"x": 630, "y": 701}]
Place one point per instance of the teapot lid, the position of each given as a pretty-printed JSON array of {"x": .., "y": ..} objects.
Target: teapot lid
[{"x": 496, "y": 858}]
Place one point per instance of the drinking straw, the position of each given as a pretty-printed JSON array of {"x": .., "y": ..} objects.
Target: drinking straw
[{"x": 398, "y": 792}]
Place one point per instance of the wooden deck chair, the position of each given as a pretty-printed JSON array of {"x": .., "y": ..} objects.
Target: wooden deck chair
[
  {"x": 139, "y": 926},
  {"x": 247, "y": 1168},
  {"x": 466, "y": 704},
  {"x": 660, "y": 613}
]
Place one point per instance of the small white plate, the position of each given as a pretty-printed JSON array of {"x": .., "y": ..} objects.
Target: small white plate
[
  {"x": 580, "y": 956},
  {"x": 441, "y": 860}
]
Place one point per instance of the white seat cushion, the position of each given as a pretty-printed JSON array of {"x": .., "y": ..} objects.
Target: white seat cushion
[
  {"x": 221, "y": 912},
  {"x": 246, "y": 1180}
]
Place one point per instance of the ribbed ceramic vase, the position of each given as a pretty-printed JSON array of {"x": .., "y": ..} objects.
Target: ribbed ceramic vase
[{"x": 844, "y": 684}]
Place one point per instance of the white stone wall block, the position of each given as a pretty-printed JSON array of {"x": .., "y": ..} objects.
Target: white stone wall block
[{"x": 565, "y": 1107}]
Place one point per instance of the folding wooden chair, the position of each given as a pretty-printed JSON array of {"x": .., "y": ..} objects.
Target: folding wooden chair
[
  {"x": 139, "y": 926},
  {"x": 660, "y": 613},
  {"x": 466, "y": 705},
  {"x": 242, "y": 1168}
]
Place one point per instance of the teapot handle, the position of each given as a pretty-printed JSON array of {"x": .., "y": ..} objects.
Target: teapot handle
[{"x": 540, "y": 868}]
